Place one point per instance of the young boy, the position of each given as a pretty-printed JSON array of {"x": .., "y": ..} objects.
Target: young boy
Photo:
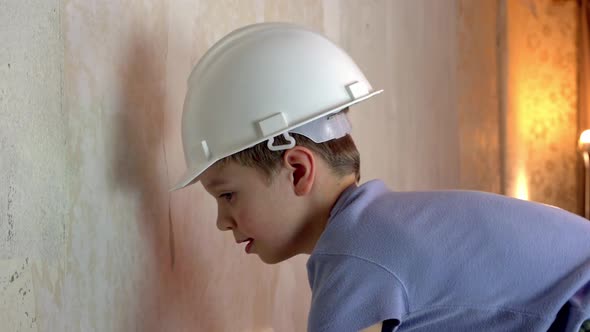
[{"x": 266, "y": 133}]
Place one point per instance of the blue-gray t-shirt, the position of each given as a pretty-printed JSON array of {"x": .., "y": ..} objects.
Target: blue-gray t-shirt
[{"x": 448, "y": 261}]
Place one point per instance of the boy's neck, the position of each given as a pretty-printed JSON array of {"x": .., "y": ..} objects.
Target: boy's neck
[{"x": 328, "y": 194}]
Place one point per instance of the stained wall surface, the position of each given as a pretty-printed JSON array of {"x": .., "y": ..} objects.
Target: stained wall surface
[{"x": 91, "y": 96}]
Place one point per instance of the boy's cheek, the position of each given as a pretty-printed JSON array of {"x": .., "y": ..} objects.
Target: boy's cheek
[
  {"x": 241, "y": 219},
  {"x": 249, "y": 225}
]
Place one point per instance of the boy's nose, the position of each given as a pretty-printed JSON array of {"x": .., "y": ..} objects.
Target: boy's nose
[
  {"x": 223, "y": 224},
  {"x": 224, "y": 221}
]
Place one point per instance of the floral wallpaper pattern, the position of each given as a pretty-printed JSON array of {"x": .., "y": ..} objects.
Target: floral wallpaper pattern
[{"x": 540, "y": 112}]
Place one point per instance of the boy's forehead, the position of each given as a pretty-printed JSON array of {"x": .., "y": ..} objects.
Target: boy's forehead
[
  {"x": 217, "y": 174},
  {"x": 211, "y": 176},
  {"x": 214, "y": 183}
]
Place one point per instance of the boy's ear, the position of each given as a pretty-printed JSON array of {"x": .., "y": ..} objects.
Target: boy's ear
[{"x": 302, "y": 166}]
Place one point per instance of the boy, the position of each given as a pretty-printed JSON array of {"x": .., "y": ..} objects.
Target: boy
[{"x": 266, "y": 133}]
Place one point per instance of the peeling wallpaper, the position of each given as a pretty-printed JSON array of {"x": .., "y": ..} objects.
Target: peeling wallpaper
[{"x": 91, "y": 98}]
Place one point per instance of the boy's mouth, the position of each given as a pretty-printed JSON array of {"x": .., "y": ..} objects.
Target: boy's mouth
[{"x": 249, "y": 245}]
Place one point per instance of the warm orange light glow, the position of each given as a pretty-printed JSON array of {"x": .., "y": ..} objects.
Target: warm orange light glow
[
  {"x": 585, "y": 137},
  {"x": 522, "y": 188},
  {"x": 540, "y": 115}
]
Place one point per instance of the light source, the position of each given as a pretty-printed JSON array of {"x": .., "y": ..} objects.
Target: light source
[{"x": 584, "y": 147}]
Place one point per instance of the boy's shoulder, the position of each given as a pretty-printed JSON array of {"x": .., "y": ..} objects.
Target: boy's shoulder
[{"x": 371, "y": 216}]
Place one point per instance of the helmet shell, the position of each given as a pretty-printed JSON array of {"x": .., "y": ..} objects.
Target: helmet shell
[{"x": 261, "y": 81}]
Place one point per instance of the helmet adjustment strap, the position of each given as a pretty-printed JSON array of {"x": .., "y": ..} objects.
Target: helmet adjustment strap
[{"x": 282, "y": 147}]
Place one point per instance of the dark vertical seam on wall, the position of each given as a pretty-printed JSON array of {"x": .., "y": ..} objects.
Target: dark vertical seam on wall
[
  {"x": 581, "y": 112},
  {"x": 170, "y": 223},
  {"x": 66, "y": 117},
  {"x": 170, "y": 226},
  {"x": 501, "y": 53}
]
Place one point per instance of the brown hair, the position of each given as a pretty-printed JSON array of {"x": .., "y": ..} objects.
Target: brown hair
[{"x": 340, "y": 154}]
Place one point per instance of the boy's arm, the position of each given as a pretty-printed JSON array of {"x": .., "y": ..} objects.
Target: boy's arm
[{"x": 350, "y": 293}]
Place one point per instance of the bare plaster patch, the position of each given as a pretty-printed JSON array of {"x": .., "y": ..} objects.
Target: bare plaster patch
[{"x": 17, "y": 296}]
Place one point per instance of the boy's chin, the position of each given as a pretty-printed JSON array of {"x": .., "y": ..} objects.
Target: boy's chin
[{"x": 272, "y": 259}]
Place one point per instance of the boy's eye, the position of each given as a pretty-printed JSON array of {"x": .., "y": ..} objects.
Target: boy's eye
[{"x": 226, "y": 196}]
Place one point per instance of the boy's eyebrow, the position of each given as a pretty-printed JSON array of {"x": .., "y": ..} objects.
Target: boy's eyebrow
[{"x": 216, "y": 183}]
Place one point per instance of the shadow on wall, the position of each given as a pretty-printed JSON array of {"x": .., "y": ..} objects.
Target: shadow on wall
[{"x": 168, "y": 279}]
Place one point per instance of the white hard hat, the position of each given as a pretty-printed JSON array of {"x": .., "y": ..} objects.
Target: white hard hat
[{"x": 262, "y": 81}]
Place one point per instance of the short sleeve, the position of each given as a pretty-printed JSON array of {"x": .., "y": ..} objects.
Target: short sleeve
[{"x": 351, "y": 294}]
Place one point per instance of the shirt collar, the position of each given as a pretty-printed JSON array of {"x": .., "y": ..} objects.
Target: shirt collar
[{"x": 352, "y": 192}]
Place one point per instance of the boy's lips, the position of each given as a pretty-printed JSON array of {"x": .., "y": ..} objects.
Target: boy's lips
[{"x": 249, "y": 245}]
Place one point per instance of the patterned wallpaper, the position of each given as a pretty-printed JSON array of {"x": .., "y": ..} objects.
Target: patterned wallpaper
[{"x": 540, "y": 111}]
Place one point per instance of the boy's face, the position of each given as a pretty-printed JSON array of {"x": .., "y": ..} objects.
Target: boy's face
[{"x": 252, "y": 208}]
